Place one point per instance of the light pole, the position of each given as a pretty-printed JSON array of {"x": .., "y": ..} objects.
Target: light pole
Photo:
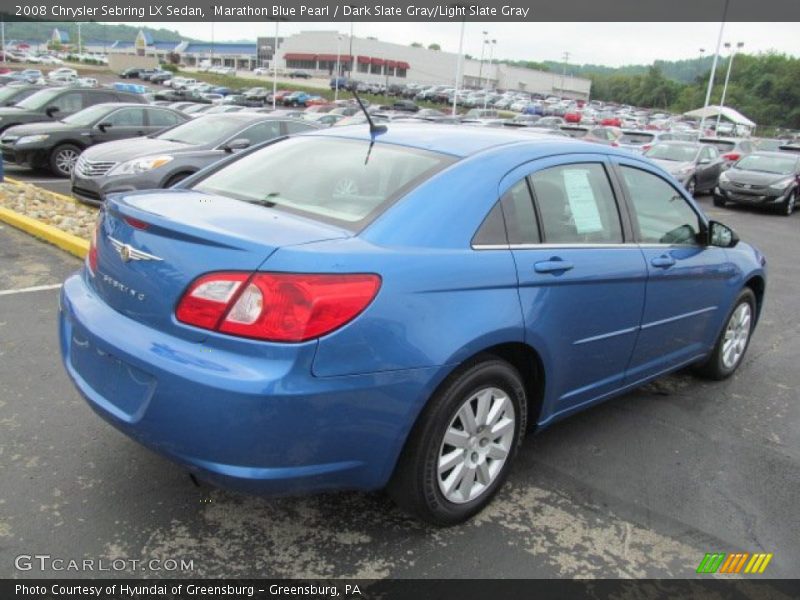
[
  {"x": 338, "y": 61},
  {"x": 564, "y": 72},
  {"x": 713, "y": 70},
  {"x": 352, "y": 58},
  {"x": 459, "y": 63},
  {"x": 727, "y": 77},
  {"x": 275, "y": 67},
  {"x": 80, "y": 44},
  {"x": 486, "y": 90},
  {"x": 480, "y": 67}
]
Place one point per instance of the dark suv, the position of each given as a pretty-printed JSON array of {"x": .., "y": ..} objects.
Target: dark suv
[{"x": 51, "y": 104}]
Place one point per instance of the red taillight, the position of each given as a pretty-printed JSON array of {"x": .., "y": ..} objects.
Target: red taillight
[
  {"x": 136, "y": 223},
  {"x": 279, "y": 307},
  {"x": 646, "y": 147},
  {"x": 91, "y": 256},
  {"x": 731, "y": 156}
]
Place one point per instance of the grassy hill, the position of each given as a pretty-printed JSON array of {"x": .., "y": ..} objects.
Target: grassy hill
[{"x": 42, "y": 30}]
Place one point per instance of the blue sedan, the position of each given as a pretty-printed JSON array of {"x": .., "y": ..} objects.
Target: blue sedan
[{"x": 352, "y": 310}]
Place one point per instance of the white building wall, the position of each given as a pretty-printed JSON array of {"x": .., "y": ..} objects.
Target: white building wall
[{"x": 431, "y": 67}]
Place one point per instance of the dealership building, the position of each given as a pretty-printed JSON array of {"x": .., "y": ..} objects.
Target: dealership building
[{"x": 365, "y": 59}]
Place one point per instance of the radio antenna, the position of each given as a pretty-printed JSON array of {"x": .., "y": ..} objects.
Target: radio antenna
[{"x": 373, "y": 129}]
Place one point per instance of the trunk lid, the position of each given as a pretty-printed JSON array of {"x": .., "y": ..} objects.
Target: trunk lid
[{"x": 142, "y": 273}]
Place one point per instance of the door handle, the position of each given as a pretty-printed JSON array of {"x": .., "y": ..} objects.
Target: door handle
[
  {"x": 555, "y": 265},
  {"x": 663, "y": 261}
]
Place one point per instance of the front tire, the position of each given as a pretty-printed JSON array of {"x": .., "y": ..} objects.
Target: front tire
[
  {"x": 63, "y": 159},
  {"x": 719, "y": 202},
  {"x": 789, "y": 205},
  {"x": 460, "y": 451},
  {"x": 733, "y": 340},
  {"x": 691, "y": 186}
]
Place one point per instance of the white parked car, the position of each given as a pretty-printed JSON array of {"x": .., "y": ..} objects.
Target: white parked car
[
  {"x": 61, "y": 72},
  {"x": 87, "y": 82}
]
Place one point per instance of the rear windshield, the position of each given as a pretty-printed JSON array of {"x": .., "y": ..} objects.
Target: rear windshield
[
  {"x": 636, "y": 139},
  {"x": 721, "y": 145},
  {"x": 676, "y": 152},
  {"x": 340, "y": 181}
]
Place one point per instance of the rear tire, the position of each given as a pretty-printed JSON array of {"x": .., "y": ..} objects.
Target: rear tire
[
  {"x": 719, "y": 202},
  {"x": 733, "y": 340},
  {"x": 460, "y": 450}
]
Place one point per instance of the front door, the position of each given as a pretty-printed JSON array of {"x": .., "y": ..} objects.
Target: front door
[{"x": 687, "y": 280}]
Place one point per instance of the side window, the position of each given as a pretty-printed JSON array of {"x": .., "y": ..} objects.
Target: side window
[
  {"x": 511, "y": 221},
  {"x": 492, "y": 231},
  {"x": 705, "y": 154},
  {"x": 127, "y": 117},
  {"x": 520, "y": 215},
  {"x": 261, "y": 132},
  {"x": 576, "y": 204},
  {"x": 663, "y": 215},
  {"x": 69, "y": 103},
  {"x": 163, "y": 118},
  {"x": 294, "y": 127},
  {"x": 98, "y": 97},
  {"x": 713, "y": 153}
]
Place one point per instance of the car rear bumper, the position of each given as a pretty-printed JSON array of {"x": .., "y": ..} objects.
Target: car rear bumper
[{"x": 257, "y": 421}]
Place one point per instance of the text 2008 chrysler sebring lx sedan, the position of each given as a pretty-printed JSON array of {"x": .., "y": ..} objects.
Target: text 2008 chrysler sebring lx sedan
[{"x": 349, "y": 310}]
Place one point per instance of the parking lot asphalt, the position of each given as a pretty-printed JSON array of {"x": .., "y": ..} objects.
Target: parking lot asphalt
[
  {"x": 640, "y": 486},
  {"x": 39, "y": 177}
]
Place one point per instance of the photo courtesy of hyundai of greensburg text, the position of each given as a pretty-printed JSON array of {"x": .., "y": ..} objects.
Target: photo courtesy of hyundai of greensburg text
[{"x": 395, "y": 299}]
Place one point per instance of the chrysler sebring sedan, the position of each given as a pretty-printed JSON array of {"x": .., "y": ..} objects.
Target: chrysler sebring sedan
[{"x": 354, "y": 310}]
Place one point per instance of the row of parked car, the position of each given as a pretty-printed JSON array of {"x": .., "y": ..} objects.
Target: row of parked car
[{"x": 52, "y": 128}]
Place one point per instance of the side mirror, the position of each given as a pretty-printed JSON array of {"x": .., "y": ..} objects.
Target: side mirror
[
  {"x": 237, "y": 144},
  {"x": 104, "y": 125},
  {"x": 721, "y": 235},
  {"x": 704, "y": 161},
  {"x": 51, "y": 110}
]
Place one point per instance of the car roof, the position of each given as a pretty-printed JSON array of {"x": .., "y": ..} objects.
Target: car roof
[
  {"x": 456, "y": 140},
  {"x": 771, "y": 154}
]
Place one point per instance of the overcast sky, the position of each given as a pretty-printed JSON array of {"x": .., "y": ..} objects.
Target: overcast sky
[{"x": 612, "y": 44}]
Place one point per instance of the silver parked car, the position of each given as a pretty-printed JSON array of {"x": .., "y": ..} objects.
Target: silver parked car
[{"x": 163, "y": 160}]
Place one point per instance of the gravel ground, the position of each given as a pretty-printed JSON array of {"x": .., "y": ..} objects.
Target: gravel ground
[{"x": 70, "y": 216}]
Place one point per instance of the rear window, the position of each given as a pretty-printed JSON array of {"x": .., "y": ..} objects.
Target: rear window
[
  {"x": 345, "y": 182},
  {"x": 721, "y": 145},
  {"x": 636, "y": 139}
]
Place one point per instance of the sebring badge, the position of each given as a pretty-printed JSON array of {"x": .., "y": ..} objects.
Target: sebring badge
[{"x": 128, "y": 253}]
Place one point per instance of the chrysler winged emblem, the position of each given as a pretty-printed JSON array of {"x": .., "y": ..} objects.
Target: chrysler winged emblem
[{"x": 128, "y": 253}]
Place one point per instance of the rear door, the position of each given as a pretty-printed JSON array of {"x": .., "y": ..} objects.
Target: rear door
[
  {"x": 159, "y": 119},
  {"x": 708, "y": 168},
  {"x": 581, "y": 279},
  {"x": 687, "y": 280},
  {"x": 122, "y": 124}
]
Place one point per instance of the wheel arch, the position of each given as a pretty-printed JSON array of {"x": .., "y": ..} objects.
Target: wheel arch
[{"x": 757, "y": 284}]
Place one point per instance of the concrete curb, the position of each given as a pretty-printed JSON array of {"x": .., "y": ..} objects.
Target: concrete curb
[
  {"x": 52, "y": 193},
  {"x": 66, "y": 241}
]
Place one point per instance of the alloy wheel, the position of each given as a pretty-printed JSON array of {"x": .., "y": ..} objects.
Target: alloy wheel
[
  {"x": 476, "y": 444},
  {"x": 737, "y": 334},
  {"x": 65, "y": 161},
  {"x": 791, "y": 201}
]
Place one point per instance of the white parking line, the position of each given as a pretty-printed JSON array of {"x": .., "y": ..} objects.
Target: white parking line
[{"x": 36, "y": 288}]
